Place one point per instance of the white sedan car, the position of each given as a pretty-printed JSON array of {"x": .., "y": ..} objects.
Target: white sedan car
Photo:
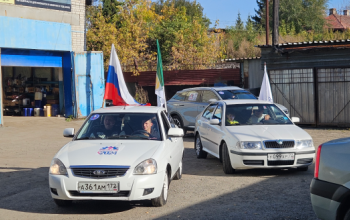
[
  {"x": 252, "y": 134},
  {"x": 120, "y": 153}
]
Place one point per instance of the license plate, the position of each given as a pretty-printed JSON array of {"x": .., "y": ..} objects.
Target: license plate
[
  {"x": 274, "y": 157},
  {"x": 98, "y": 187}
]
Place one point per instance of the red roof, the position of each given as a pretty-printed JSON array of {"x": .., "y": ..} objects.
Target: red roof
[{"x": 338, "y": 22}]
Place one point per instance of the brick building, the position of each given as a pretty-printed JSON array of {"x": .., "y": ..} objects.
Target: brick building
[
  {"x": 43, "y": 59},
  {"x": 338, "y": 22}
]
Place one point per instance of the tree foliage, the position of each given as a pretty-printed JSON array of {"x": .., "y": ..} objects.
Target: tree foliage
[{"x": 179, "y": 25}]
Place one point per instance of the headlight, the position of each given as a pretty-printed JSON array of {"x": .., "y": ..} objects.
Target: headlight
[
  {"x": 57, "y": 167},
  {"x": 252, "y": 145},
  {"x": 148, "y": 166},
  {"x": 300, "y": 144}
]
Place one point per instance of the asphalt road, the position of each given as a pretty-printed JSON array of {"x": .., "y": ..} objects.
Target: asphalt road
[{"x": 27, "y": 146}]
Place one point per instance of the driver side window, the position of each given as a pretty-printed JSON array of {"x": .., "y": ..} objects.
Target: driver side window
[
  {"x": 218, "y": 113},
  {"x": 209, "y": 111}
]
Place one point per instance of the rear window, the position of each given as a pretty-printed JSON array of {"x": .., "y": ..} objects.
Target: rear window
[{"x": 235, "y": 94}]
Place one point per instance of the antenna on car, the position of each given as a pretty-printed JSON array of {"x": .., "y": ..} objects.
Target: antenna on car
[{"x": 124, "y": 106}]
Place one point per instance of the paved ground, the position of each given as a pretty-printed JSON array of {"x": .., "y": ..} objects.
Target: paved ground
[{"x": 27, "y": 146}]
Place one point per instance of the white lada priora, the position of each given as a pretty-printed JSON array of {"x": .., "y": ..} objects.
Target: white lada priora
[
  {"x": 120, "y": 153},
  {"x": 252, "y": 134}
]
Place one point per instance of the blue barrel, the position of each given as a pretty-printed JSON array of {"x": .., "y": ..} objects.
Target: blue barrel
[
  {"x": 30, "y": 112},
  {"x": 54, "y": 110},
  {"x": 25, "y": 111},
  {"x": 38, "y": 104}
]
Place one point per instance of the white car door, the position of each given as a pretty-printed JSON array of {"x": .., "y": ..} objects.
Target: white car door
[
  {"x": 204, "y": 128},
  {"x": 215, "y": 132},
  {"x": 174, "y": 145}
]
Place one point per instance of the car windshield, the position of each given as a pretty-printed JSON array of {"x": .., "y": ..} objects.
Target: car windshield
[
  {"x": 235, "y": 94},
  {"x": 255, "y": 114},
  {"x": 140, "y": 126}
]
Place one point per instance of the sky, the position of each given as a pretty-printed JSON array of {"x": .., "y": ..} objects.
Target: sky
[{"x": 226, "y": 11}]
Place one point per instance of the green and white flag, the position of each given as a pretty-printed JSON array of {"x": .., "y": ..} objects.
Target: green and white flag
[{"x": 160, "y": 92}]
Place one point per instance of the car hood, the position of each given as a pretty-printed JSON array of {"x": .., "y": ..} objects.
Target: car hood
[
  {"x": 107, "y": 152},
  {"x": 268, "y": 132}
]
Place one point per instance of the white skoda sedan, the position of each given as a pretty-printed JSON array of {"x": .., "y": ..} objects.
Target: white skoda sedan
[
  {"x": 120, "y": 153},
  {"x": 247, "y": 134}
]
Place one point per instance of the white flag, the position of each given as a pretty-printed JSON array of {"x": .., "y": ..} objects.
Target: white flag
[{"x": 265, "y": 90}]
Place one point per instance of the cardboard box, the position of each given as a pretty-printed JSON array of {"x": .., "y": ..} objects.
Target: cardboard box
[
  {"x": 31, "y": 89},
  {"x": 52, "y": 101},
  {"x": 56, "y": 90}
]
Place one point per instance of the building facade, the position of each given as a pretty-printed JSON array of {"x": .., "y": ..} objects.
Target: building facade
[{"x": 44, "y": 62}]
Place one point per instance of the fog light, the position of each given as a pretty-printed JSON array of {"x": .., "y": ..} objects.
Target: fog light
[
  {"x": 54, "y": 191},
  {"x": 148, "y": 191}
]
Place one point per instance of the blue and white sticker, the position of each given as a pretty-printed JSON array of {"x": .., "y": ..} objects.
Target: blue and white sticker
[
  {"x": 94, "y": 117},
  {"x": 221, "y": 93}
]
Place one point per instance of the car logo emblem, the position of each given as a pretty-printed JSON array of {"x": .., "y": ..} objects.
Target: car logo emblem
[
  {"x": 280, "y": 142},
  {"x": 99, "y": 172}
]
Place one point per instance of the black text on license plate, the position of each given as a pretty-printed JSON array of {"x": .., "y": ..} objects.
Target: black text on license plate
[
  {"x": 89, "y": 187},
  {"x": 274, "y": 157}
]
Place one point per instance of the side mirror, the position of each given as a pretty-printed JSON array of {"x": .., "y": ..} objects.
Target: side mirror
[
  {"x": 176, "y": 132},
  {"x": 212, "y": 100},
  {"x": 68, "y": 132},
  {"x": 295, "y": 119},
  {"x": 214, "y": 121}
]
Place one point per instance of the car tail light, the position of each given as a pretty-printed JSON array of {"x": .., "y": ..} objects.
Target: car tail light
[{"x": 317, "y": 164}]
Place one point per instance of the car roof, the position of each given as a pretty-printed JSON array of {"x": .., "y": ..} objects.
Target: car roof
[
  {"x": 245, "y": 101},
  {"x": 213, "y": 88},
  {"x": 130, "y": 109}
]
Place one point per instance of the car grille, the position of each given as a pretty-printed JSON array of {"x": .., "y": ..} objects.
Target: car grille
[
  {"x": 107, "y": 172},
  {"x": 274, "y": 144},
  {"x": 280, "y": 162},
  {"x": 253, "y": 162},
  {"x": 118, "y": 194},
  {"x": 305, "y": 161}
]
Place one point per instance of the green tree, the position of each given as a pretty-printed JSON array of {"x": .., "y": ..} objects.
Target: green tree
[
  {"x": 194, "y": 9},
  {"x": 259, "y": 18},
  {"x": 239, "y": 23}
]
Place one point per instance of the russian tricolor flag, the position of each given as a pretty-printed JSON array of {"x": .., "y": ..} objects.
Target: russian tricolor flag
[{"x": 116, "y": 89}]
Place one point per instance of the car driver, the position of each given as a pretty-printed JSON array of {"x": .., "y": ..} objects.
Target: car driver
[
  {"x": 149, "y": 129},
  {"x": 258, "y": 116}
]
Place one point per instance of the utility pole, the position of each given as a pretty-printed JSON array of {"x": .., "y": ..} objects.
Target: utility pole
[
  {"x": 267, "y": 22},
  {"x": 275, "y": 34}
]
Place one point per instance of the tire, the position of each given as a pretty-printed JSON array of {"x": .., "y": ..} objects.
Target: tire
[
  {"x": 163, "y": 198},
  {"x": 63, "y": 203},
  {"x": 302, "y": 168},
  {"x": 177, "y": 121},
  {"x": 178, "y": 174},
  {"x": 347, "y": 215},
  {"x": 199, "y": 148},
  {"x": 226, "y": 163}
]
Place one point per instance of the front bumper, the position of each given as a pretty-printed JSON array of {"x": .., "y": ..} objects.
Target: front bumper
[
  {"x": 248, "y": 160},
  {"x": 131, "y": 187}
]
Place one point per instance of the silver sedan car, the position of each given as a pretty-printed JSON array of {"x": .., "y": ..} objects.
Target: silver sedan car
[
  {"x": 186, "y": 104},
  {"x": 330, "y": 187}
]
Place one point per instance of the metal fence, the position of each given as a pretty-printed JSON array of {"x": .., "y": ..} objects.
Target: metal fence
[{"x": 294, "y": 88}]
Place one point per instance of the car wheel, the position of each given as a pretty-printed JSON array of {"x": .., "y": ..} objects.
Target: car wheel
[
  {"x": 62, "y": 203},
  {"x": 178, "y": 122},
  {"x": 178, "y": 174},
  {"x": 302, "y": 168},
  {"x": 163, "y": 198},
  {"x": 226, "y": 163},
  {"x": 199, "y": 148},
  {"x": 347, "y": 215}
]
